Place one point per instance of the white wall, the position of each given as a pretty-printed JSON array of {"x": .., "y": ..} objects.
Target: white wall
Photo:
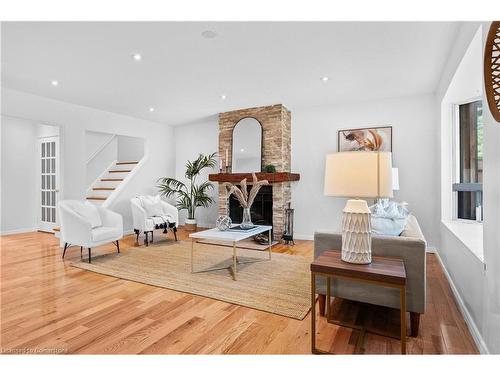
[
  {"x": 476, "y": 283},
  {"x": 491, "y": 232},
  {"x": 101, "y": 151},
  {"x": 74, "y": 121},
  {"x": 95, "y": 141},
  {"x": 18, "y": 176},
  {"x": 130, "y": 148},
  {"x": 191, "y": 140},
  {"x": 314, "y": 134},
  {"x": 47, "y": 131},
  {"x": 414, "y": 132},
  {"x": 491, "y": 237}
]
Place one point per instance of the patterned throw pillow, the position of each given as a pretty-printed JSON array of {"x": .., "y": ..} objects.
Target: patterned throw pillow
[{"x": 388, "y": 217}]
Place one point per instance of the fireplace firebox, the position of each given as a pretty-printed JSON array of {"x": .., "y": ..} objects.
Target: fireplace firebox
[{"x": 261, "y": 210}]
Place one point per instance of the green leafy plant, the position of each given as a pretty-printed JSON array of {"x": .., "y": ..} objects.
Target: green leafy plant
[
  {"x": 190, "y": 195},
  {"x": 270, "y": 168}
]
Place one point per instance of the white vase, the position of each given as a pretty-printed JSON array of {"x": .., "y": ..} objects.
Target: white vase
[{"x": 356, "y": 232}]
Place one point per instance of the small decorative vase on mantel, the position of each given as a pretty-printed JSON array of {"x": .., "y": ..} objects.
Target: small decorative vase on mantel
[{"x": 246, "y": 222}]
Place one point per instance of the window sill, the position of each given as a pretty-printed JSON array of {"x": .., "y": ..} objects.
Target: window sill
[{"x": 470, "y": 234}]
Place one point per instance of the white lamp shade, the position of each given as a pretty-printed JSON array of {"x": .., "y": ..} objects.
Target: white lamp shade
[
  {"x": 359, "y": 174},
  {"x": 395, "y": 179}
]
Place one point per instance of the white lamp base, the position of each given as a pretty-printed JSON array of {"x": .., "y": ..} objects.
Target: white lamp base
[{"x": 356, "y": 232}]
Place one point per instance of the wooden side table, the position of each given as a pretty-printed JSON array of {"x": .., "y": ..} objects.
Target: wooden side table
[{"x": 384, "y": 271}]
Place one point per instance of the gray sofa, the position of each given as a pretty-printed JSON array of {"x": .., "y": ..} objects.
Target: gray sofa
[{"x": 410, "y": 246}]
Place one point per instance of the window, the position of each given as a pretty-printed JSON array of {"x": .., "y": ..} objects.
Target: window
[{"x": 469, "y": 162}]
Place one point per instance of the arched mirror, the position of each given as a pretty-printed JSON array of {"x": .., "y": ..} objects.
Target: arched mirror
[{"x": 247, "y": 146}]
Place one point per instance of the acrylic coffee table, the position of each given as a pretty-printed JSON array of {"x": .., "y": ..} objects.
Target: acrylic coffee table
[{"x": 230, "y": 237}]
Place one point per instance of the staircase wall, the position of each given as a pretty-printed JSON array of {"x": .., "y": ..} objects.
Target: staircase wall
[{"x": 106, "y": 155}]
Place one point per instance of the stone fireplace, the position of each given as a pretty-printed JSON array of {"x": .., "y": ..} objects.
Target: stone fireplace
[{"x": 276, "y": 150}]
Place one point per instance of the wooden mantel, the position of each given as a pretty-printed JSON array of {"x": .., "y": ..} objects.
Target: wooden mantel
[{"x": 273, "y": 178}]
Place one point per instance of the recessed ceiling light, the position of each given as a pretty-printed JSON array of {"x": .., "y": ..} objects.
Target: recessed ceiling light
[
  {"x": 137, "y": 56},
  {"x": 54, "y": 83},
  {"x": 209, "y": 34},
  {"x": 223, "y": 97},
  {"x": 151, "y": 109},
  {"x": 242, "y": 150},
  {"x": 324, "y": 79}
]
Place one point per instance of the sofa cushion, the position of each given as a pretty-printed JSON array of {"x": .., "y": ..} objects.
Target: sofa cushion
[
  {"x": 89, "y": 212},
  {"x": 152, "y": 205},
  {"x": 105, "y": 234},
  {"x": 412, "y": 229}
]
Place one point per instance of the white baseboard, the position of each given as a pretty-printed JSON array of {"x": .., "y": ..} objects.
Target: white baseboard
[
  {"x": 18, "y": 231},
  {"x": 306, "y": 237},
  {"x": 476, "y": 335},
  {"x": 431, "y": 250}
]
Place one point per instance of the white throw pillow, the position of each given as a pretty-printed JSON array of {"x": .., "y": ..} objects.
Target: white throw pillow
[
  {"x": 90, "y": 213},
  {"x": 388, "y": 217},
  {"x": 152, "y": 205}
]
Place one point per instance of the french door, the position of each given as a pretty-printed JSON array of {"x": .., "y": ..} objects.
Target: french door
[{"x": 49, "y": 182}]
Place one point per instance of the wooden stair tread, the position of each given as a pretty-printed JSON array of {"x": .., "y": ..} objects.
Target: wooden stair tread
[
  {"x": 56, "y": 229},
  {"x": 103, "y": 188},
  {"x": 127, "y": 162},
  {"x": 120, "y": 171},
  {"x": 111, "y": 179},
  {"x": 97, "y": 198}
]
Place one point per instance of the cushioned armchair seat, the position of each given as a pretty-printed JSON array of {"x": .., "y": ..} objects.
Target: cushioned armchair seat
[{"x": 80, "y": 230}]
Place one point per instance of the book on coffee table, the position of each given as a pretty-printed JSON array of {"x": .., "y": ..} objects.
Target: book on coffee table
[{"x": 238, "y": 228}]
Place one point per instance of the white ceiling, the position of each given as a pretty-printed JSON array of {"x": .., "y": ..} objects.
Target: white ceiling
[{"x": 182, "y": 74}]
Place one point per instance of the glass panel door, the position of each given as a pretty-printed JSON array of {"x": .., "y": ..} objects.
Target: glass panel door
[{"x": 49, "y": 167}]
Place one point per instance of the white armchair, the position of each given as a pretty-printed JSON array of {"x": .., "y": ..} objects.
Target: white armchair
[
  {"x": 146, "y": 220},
  {"x": 88, "y": 226}
]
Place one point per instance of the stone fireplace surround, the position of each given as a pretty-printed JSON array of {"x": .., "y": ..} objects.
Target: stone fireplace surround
[{"x": 276, "y": 150}]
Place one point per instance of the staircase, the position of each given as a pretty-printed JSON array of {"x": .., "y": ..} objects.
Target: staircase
[{"x": 109, "y": 181}]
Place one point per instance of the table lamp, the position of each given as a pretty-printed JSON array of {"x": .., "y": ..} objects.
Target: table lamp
[
  {"x": 395, "y": 179},
  {"x": 358, "y": 174}
]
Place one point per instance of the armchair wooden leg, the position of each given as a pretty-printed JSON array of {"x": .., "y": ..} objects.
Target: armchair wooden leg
[
  {"x": 118, "y": 246},
  {"x": 146, "y": 238},
  {"x": 175, "y": 233},
  {"x": 136, "y": 235},
  {"x": 414, "y": 323},
  {"x": 81, "y": 252},
  {"x": 65, "y": 247},
  {"x": 322, "y": 304},
  {"x": 90, "y": 254}
]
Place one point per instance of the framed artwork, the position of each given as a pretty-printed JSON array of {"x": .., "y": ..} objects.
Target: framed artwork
[{"x": 365, "y": 139}]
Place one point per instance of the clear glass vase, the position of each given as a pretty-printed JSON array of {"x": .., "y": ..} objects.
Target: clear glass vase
[{"x": 247, "y": 219}]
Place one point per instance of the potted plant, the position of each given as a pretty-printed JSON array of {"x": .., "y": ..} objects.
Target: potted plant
[{"x": 190, "y": 195}]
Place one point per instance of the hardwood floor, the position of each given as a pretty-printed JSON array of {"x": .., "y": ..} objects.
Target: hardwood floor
[{"x": 47, "y": 306}]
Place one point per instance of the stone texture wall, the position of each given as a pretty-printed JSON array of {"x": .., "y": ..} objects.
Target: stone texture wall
[{"x": 276, "y": 150}]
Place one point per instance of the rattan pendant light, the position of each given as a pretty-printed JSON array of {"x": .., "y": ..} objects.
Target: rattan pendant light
[{"x": 492, "y": 69}]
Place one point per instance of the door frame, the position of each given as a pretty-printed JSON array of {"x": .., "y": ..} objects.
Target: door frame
[{"x": 47, "y": 226}]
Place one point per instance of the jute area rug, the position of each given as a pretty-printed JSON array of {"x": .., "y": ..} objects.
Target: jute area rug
[{"x": 280, "y": 286}]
